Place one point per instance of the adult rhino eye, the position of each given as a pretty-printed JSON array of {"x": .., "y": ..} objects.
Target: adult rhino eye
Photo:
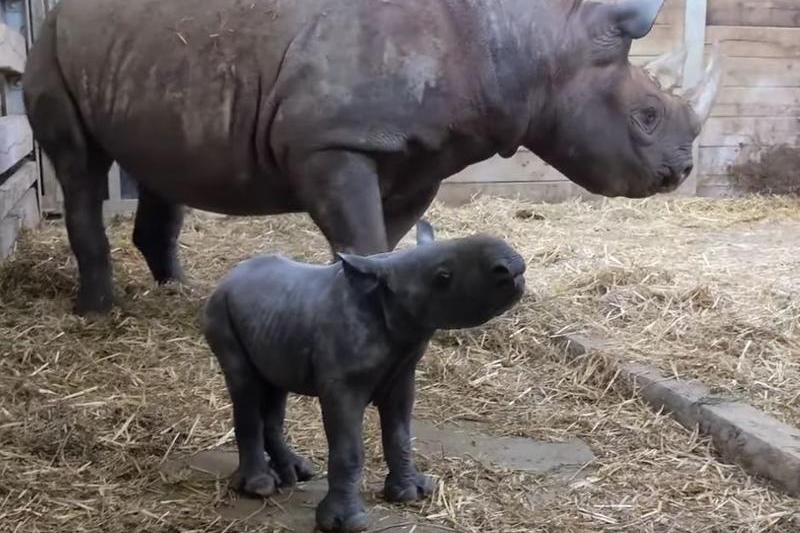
[{"x": 648, "y": 118}]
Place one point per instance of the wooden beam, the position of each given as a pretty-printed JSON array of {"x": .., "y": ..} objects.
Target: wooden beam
[
  {"x": 16, "y": 140},
  {"x": 14, "y": 188},
  {"x": 12, "y": 50},
  {"x": 742, "y": 41},
  {"x": 778, "y": 13},
  {"x": 694, "y": 39},
  {"x": 549, "y": 192}
]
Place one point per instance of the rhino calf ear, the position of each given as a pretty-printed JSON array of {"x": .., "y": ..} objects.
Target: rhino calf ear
[
  {"x": 363, "y": 273},
  {"x": 635, "y": 18}
]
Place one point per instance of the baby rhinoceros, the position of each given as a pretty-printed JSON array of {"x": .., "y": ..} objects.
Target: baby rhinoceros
[{"x": 349, "y": 333}]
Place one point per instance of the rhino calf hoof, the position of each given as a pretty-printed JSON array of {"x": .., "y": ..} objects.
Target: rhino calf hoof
[
  {"x": 341, "y": 515},
  {"x": 293, "y": 470},
  {"x": 411, "y": 489},
  {"x": 260, "y": 484}
]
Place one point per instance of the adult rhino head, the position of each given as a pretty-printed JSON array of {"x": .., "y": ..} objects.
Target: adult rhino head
[{"x": 615, "y": 128}]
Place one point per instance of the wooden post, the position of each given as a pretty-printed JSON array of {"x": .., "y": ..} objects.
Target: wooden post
[{"x": 694, "y": 38}]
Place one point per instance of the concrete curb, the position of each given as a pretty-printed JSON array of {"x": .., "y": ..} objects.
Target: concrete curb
[{"x": 742, "y": 434}]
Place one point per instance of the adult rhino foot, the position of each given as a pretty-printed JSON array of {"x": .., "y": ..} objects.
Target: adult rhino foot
[
  {"x": 259, "y": 483},
  {"x": 341, "y": 514},
  {"x": 93, "y": 302},
  {"x": 407, "y": 489},
  {"x": 293, "y": 470}
]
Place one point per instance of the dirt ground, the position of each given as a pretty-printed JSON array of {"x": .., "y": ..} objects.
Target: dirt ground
[{"x": 90, "y": 411}]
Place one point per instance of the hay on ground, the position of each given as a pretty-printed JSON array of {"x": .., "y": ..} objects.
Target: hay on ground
[{"x": 89, "y": 410}]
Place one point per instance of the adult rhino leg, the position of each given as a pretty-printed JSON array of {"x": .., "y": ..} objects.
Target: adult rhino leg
[
  {"x": 155, "y": 233},
  {"x": 341, "y": 193},
  {"x": 400, "y": 216},
  {"x": 82, "y": 185},
  {"x": 81, "y": 168}
]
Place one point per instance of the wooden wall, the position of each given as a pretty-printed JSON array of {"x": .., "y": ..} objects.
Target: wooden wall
[
  {"x": 19, "y": 171},
  {"x": 759, "y": 104}
]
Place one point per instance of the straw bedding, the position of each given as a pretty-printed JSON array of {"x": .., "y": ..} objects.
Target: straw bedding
[{"x": 90, "y": 410}]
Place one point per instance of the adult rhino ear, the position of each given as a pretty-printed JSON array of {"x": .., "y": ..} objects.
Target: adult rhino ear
[
  {"x": 364, "y": 273},
  {"x": 635, "y": 18}
]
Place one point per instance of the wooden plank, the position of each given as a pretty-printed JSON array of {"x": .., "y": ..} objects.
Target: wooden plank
[
  {"x": 16, "y": 140},
  {"x": 27, "y": 209},
  {"x": 661, "y": 39},
  {"x": 24, "y": 215},
  {"x": 12, "y": 50},
  {"x": 462, "y": 193},
  {"x": 9, "y": 230},
  {"x": 114, "y": 187},
  {"x": 780, "y": 13},
  {"x": 694, "y": 39},
  {"x": 524, "y": 166},
  {"x": 716, "y": 160},
  {"x": 38, "y": 12},
  {"x": 757, "y": 102},
  {"x": 14, "y": 188},
  {"x": 715, "y": 180},
  {"x": 743, "y": 41},
  {"x": 761, "y": 72},
  {"x": 112, "y": 208},
  {"x": 733, "y": 131},
  {"x": 715, "y": 191}
]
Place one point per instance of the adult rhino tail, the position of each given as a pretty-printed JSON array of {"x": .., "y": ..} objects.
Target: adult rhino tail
[{"x": 425, "y": 233}]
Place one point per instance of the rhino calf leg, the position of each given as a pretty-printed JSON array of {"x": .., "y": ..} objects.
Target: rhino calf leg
[
  {"x": 245, "y": 386},
  {"x": 342, "y": 195},
  {"x": 404, "y": 483},
  {"x": 289, "y": 466},
  {"x": 156, "y": 230},
  {"x": 342, "y": 508}
]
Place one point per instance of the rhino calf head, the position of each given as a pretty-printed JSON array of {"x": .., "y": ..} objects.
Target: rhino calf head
[{"x": 620, "y": 129}]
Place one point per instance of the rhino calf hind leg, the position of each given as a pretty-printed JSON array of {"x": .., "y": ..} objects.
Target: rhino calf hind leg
[
  {"x": 290, "y": 467},
  {"x": 156, "y": 230},
  {"x": 246, "y": 388}
]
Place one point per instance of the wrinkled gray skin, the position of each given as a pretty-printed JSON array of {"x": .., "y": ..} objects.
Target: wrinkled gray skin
[
  {"x": 350, "y": 333},
  {"x": 353, "y": 111}
]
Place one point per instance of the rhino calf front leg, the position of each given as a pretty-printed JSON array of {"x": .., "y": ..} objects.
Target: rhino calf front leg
[
  {"x": 404, "y": 483},
  {"x": 342, "y": 509},
  {"x": 156, "y": 230}
]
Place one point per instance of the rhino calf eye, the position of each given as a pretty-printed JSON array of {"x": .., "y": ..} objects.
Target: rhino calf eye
[{"x": 442, "y": 279}]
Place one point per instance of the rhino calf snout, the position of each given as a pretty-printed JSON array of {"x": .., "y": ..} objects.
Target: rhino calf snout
[{"x": 350, "y": 333}]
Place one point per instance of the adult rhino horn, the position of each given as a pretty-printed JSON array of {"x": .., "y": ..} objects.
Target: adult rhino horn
[
  {"x": 703, "y": 96},
  {"x": 668, "y": 68},
  {"x": 635, "y": 18}
]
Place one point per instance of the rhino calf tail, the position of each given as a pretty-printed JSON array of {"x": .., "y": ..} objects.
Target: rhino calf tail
[{"x": 425, "y": 232}]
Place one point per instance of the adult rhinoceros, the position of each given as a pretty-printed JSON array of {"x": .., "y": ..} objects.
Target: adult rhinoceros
[{"x": 351, "y": 110}]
